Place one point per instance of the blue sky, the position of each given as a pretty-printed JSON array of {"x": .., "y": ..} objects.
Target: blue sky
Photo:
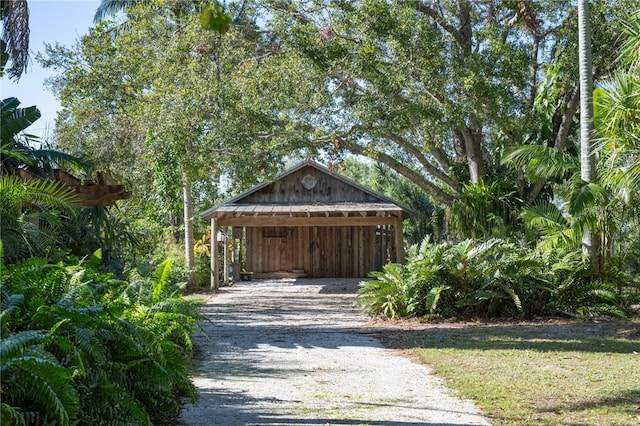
[{"x": 50, "y": 21}]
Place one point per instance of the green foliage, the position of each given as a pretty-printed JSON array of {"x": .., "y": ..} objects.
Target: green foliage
[
  {"x": 384, "y": 294},
  {"x": 31, "y": 215},
  {"x": 489, "y": 279},
  {"x": 17, "y": 146},
  {"x": 70, "y": 331},
  {"x": 214, "y": 18},
  {"x": 541, "y": 162},
  {"x": 485, "y": 210}
]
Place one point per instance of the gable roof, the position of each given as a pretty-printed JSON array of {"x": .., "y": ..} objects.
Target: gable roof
[{"x": 268, "y": 196}]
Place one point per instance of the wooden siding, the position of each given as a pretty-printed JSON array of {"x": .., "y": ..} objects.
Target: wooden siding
[
  {"x": 328, "y": 189},
  {"x": 344, "y": 251}
]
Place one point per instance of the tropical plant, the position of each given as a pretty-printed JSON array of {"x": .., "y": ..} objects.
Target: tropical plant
[
  {"x": 32, "y": 214},
  {"x": 17, "y": 151},
  {"x": 68, "y": 330},
  {"x": 495, "y": 278},
  {"x": 15, "y": 37},
  {"x": 616, "y": 117},
  {"x": 485, "y": 210},
  {"x": 383, "y": 295},
  {"x": 36, "y": 387}
]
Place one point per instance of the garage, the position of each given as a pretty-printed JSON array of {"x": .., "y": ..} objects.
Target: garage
[{"x": 308, "y": 222}]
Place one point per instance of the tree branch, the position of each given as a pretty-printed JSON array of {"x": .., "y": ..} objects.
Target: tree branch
[
  {"x": 436, "y": 192},
  {"x": 429, "y": 168},
  {"x": 439, "y": 19}
]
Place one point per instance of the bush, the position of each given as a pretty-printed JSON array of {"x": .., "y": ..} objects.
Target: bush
[
  {"x": 82, "y": 347},
  {"x": 496, "y": 278}
]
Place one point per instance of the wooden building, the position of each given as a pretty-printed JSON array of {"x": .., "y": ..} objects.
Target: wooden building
[{"x": 309, "y": 221}]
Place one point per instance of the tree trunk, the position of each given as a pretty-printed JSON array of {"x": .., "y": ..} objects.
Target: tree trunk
[
  {"x": 587, "y": 160},
  {"x": 188, "y": 230},
  {"x": 473, "y": 146}
]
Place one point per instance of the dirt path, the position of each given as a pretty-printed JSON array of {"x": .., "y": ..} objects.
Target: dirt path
[{"x": 296, "y": 353}]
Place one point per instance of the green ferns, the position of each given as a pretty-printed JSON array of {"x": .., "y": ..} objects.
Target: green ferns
[
  {"x": 496, "y": 278},
  {"x": 82, "y": 347}
]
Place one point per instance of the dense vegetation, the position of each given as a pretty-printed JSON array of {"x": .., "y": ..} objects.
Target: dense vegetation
[
  {"x": 82, "y": 347},
  {"x": 79, "y": 345},
  {"x": 529, "y": 258},
  {"x": 465, "y": 111}
]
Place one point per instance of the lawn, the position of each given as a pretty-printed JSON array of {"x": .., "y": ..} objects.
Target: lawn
[{"x": 551, "y": 372}]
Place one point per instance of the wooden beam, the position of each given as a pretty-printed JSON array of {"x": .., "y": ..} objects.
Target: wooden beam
[
  {"x": 225, "y": 267},
  {"x": 236, "y": 252},
  {"x": 307, "y": 221},
  {"x": 399, "y": 240}
]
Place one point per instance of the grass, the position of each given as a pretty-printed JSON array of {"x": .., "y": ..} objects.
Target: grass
[{"x": 551, "y": 373}]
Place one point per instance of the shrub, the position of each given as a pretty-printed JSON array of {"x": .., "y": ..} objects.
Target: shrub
[
  {"x": 70, "y": 331},
  {"x": 492, "y": 278}
]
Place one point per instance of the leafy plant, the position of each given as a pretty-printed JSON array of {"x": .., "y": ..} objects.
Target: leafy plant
[
  {"x": 31, "y": 215},
  {"x": 69, "y": 330},
  {"x": 484, "y": 210},
  {"x": 384, "y": 294},
  {"x": 492, "y": 278}
]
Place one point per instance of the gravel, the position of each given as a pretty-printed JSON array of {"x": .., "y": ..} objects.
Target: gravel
[{"x": 298, "y": 352}]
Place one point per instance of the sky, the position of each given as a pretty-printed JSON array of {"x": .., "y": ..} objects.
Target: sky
[{"x": 50, "y": 21}]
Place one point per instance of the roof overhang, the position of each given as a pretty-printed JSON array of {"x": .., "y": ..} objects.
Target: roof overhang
[{"x": 336, "y": 214}]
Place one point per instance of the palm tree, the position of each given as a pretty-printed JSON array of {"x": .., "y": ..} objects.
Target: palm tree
[
  {"x": 15, "y": 33},
  {"x": 617, "y": 115},
  {"x": 587, "y": 159},
  {"x": 112, "y": 7},
  {"x": 16, "y": 151}
]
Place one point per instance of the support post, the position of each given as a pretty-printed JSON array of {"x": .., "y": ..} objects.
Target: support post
[
  {"x": 398, "y": 237},
  {"x": 236, "y": 232},
  {"x": 215, "y": 282},
  {"x": 225, "y": 267}
]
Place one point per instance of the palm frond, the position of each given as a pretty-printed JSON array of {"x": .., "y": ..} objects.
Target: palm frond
[
  {"x": 586, "y": 195},
  {"x": 545, "y": 217},
  {"x": 108, "y": 8},
  {"x": 541, "y": 162},
  {"x": 629, "y": 50},
  {"x": 15, "y": 120}
]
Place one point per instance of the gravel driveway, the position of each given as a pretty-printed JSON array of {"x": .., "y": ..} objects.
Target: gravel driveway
[{"x": 296, "y": 352}]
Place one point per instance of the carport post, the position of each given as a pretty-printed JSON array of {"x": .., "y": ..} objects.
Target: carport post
[
  {"x": 399, "y": 240},
  {"x": 215, "y": 284},
  {"x": 225, "y": 267}
]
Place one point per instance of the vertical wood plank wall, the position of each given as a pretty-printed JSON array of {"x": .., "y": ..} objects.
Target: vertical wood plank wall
[{"x": 322, "y": 252}]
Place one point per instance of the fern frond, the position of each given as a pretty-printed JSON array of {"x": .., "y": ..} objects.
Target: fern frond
[
  {"x": 11, "y": 415},
  {"x": 16, "y": 343},
  {"x": 9, "y": 303},
  {"x": 514, "y": 297},
  {"x": 161, "y": 280},
  {"x": 47, "y": 385}
]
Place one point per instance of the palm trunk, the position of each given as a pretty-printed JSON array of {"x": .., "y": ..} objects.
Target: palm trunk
[
  {"x": 587, "y": 164},
  {"x": 587, "y": 160}
]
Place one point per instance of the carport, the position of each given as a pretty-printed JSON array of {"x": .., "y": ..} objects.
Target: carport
[{"x": 308, "y": 222}]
